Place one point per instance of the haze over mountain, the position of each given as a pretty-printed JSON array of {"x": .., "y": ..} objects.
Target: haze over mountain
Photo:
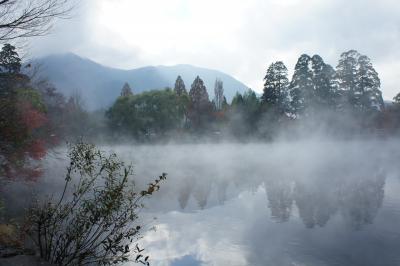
[{"x": 100, "y": 85}]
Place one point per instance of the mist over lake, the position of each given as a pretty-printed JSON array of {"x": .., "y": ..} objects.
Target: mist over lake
[{"x": 312, "y": 202}]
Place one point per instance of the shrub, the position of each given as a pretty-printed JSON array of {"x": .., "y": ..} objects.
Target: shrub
[{"x": 98, "y": 223}]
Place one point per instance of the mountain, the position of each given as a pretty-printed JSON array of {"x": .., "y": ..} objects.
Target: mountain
[{"x": 100, "y": 85}]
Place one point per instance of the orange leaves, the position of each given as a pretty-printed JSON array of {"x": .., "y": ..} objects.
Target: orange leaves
[
  {"x": 25, "y": 139},
  {"x": 219, "y": 115},
  {"x": 37, "y": 149},
  {"x": 30, "y": 117}
]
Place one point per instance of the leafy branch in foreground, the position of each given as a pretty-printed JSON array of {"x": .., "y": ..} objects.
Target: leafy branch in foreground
[{"x": 98, "y": 223}]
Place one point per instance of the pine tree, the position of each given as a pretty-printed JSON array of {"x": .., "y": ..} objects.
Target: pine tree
[
  {"x": 324, "y": 83},
  {"x": 302, "y": 86},
  {"x": 219, "y": 94},
  {"x": 9, "y": 60},
  {"x": 183, "y": 99},
  {"x": 126, "y": 90},
  {"x": 180, "y": 88},
  {"x": 200, "y": 106},
  {"x": 237, "y": 100},
  {"x": 358, "y": 82},
  {"x": 396, "y": 98},
  {"x": 198, "y": 94},
  {"x": 244, "y": 113},
  {"x": 251, "y": 105},
  {"x": 276, "y": 85},
  {"x": 368, "y": 84},
  {"x": 346, "y": 74},
  {"x": 225, "y": 104}
]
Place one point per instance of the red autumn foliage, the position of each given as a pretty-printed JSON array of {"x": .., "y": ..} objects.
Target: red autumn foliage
[
  {"x": 28, "y": 141},
  {"x": 31, "y": 117},
  {"x": 37, "y": 149},
  {"x": 219, "y": 115},
  {"x": 26, "y": 173}
]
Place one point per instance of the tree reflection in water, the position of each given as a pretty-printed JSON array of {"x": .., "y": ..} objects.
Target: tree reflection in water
[
  {"x": 361, "y": 198},
  {"x": 353, "y": 192},
  {"x": 357, "y": 195},
  {"x": 280, "y": 198}
]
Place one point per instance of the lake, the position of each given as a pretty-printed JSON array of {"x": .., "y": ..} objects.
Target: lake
[
  {"x": 298, "y": 203},
  {"x": 291, "y": 203}
]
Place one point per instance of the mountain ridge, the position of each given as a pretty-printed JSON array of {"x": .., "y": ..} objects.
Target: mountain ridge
[{"x": 100, "y": 85}]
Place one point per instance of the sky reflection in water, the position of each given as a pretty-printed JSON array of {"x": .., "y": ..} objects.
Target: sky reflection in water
[
  {"x": 284, "y": 204},
  {"x": 299, "y": 203}
]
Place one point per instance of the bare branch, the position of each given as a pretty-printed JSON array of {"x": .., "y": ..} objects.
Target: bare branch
[{"x": 29, "y": 18}]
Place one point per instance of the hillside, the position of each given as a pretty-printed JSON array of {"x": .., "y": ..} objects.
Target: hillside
[{"x": 100, "y": 85}]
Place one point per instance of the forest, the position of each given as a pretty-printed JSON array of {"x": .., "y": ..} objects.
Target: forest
[{"x": 342, "y": 103}]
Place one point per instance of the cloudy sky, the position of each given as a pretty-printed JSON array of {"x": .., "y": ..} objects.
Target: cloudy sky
[{"x": 238, "y": 37}]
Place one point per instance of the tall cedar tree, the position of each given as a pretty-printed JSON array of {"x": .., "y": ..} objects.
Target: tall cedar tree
[
  {"x": 9, "y": 60},
  {"x": 302, "y": 85},
  {"x": 126, "y": 90},
  {"x": 313, "y": 86},
  {"x": 368, "y": 84},
  {"x": 180, "y": 88},
  {"x": 359, "y": 82},
  {"x": 324, "y": 83},
  {"x": 276, "y": 85},
  {"x": 346, "y": 74},
  {"x": 200, "y": 106},
  {"x": 396, "y": 98}
]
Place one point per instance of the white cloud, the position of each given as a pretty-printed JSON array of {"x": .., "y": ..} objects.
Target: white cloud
[{"x": 238, "y": 37}]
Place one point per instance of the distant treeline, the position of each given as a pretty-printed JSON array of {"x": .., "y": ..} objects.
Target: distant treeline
[{"x": 346, "y": 100}]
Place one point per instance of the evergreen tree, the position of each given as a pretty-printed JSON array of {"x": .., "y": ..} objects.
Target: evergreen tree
[
  {"x": 251, "y": 106},
  {"x": 126, "y": 90},
  {"x": 237, "y": 100},
  {"x": 244, "y": 113},
  {"x": 368, "y": 84},
  {"x": 276, "y": 85},
  {"x": 347, "y": 70},
  {"x": 250, "y": 100},
  {"x": 200, "y": 106},
  {"x": 198, "y": 94},
  {"x": 236, "y": 120},
  {"x": 396, "y": 98},
  {"x": 219, "y": 94},
  {"x": 9, "y": 60},
  {"x": 302, "y": 86},
  {"x": 180, "y": 88},
  {"x": 324, "y": 83},
  {"x": 225, "y": 104},
  {"x": 346, "y": 74},
  {"x": 359, "y": 82}
]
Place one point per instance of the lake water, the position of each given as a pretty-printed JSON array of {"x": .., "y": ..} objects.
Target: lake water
[
  {"x": 294, "y": 203},
  {"x": 298, "y": 203}
]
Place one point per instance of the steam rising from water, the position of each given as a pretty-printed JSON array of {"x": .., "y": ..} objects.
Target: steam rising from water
[{"x": 289, "y": 203}]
